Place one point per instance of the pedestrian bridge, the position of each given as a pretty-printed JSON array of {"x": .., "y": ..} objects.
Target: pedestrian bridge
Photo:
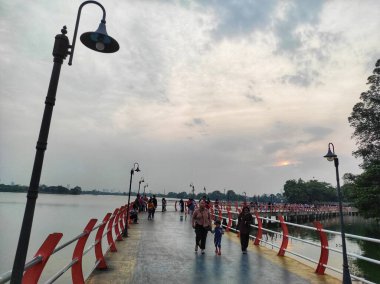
[{"x": 162, "y": 251}]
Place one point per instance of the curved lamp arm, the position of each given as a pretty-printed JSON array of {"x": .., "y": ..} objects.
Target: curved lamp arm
[{"x": 77, "y": 24}]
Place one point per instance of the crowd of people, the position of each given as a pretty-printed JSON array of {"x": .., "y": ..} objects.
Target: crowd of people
[{"x": 200, "y": 218}]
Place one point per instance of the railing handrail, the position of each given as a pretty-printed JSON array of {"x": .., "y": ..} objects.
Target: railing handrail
[
  {"x": 352, "y": 236},
  {"x": 354, "y": 255},
  {"x": 5, "y": 277}
]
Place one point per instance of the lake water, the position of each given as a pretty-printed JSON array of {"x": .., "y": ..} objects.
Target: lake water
[{"x": 69, "y": 214}]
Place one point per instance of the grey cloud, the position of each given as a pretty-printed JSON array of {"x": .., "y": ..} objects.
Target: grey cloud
[
  {"x": 196, "y": 122},
  {"x": 318, "y": 131},
  {"x": 302, "y": 78},
  {"x": 273, "y": 147},
  {"x": 199, "y": 121},
  {"x": 238, "y": 18},
  {"x": 314, "y": 133},
  {"x": 298, "y": 13},
  {"x": 254, "y": 98}
]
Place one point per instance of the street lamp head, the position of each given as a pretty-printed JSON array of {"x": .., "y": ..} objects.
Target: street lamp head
[
  {"x": 330, "y": 156},
  {"x": 136, "y": 167},
  {"x": 99, "y": 40}
]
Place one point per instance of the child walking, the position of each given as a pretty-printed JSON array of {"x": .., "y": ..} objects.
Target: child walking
[{"x": 218, "y": 232}]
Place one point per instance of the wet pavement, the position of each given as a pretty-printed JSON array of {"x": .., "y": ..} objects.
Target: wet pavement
[{"x": 162, "y": 251}]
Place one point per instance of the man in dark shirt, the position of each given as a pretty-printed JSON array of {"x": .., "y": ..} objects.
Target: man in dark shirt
[{"x": 155, "y": 205}]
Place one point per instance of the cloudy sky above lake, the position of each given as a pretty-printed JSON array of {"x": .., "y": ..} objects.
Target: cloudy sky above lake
[{"x": 239, "y": 95}]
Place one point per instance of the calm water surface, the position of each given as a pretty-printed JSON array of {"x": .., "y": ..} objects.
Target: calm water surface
[{"x": 67, "y": 214}]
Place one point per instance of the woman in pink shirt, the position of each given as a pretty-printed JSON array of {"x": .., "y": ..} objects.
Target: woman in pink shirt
[{"x": 202, "y": 224}]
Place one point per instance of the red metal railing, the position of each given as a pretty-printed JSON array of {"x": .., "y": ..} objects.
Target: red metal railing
[
  {"x": 114, "y": 222},
  {"x": 322, "y": 233}
]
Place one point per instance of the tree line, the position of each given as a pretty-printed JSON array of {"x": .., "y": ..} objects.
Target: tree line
[{"x": 42, "y": 189}]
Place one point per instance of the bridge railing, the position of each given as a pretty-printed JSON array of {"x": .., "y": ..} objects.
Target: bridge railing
[
  {"x": 229, "y": 217},
  {"x": 114, "y": 222}
]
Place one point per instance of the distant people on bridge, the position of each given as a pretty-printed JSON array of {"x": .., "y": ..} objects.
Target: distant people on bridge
[
  {"x": 150, "y": 209},
  {"x": 181, "y": 205},
  {"x": 204, "y": 198},
  {"x": 133, "y": 216},
  {"x": 245, "y": 220},
  {"x": 139, "y": 202},
  {"x": 218, "y": 232},
  {"x": 155, "y": 205},
  {"x": 145, "y": 198},
  {"x": 190, "y": 206},
  {"x": 201, "y": 222},
  {"x": 216, "y": 207},
  {"x": 136, "y": 204},
  {"x": 252, "y": 206},
  {"x": 163, "y": 204},
  {"x": 208, "y": 203}
]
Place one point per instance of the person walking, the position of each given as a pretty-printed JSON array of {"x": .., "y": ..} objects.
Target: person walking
[
  {"x": 163, "y": 204},
  {"x": 201, "y": 222},
  {"x": 150, "y": 208},
  {"x": 191, "y": 206},
  {"x": 182, "y": 205},
  {"x": 245, "y": 220},
  {"x": 155, "y": 205},
  {"x": 218, "y": 232}
]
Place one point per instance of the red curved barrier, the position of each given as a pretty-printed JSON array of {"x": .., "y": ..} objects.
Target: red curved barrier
[
  {"x": 229, "y": 224},
  {"x": 122, "y": 218},
  {"x": 76, "y": 269},
  {"x": 117, "y": 231},
  {"x": 220, "y": 214},
  {"x": 98, "y": 246},
  {"x": 33, "y": 274},
  {"x": 285, "y": 237},
  {"x": 110, "y": 240},
  {"x": 324, "y": 257},
  {"x": 259, "y": 234},
  {"x": 212, "y": 213}
]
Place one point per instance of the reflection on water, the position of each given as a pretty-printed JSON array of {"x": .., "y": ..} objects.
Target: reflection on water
[{"x": 355, "y": 225}]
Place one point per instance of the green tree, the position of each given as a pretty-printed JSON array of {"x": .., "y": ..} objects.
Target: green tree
[
  {"x": 308, "y": 192},
  {"x": 76, "y": 190},
  {"x": 366, "y": 192},
  {"x": 365, "y": 119}
]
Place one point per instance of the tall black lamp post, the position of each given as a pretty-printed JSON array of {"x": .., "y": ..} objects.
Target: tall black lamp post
[
  {"x": 98, "y": 41},
  {"x": 192, "y": 189},
  {"x": 133, "y": 170},
  {"x": 331, "y": 156},
  {"x": 141, "y": 181}
]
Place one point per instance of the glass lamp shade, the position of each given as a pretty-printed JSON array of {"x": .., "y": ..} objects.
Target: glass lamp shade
[
  {"x": 99, "y": 40},
  {"x": 330, "y": 155}
]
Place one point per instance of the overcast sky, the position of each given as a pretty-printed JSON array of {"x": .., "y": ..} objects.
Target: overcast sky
[{"x": 240, "y": 95}]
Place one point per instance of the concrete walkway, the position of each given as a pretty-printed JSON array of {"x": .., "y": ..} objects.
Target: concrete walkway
[{"x": 162, "y": 251}]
